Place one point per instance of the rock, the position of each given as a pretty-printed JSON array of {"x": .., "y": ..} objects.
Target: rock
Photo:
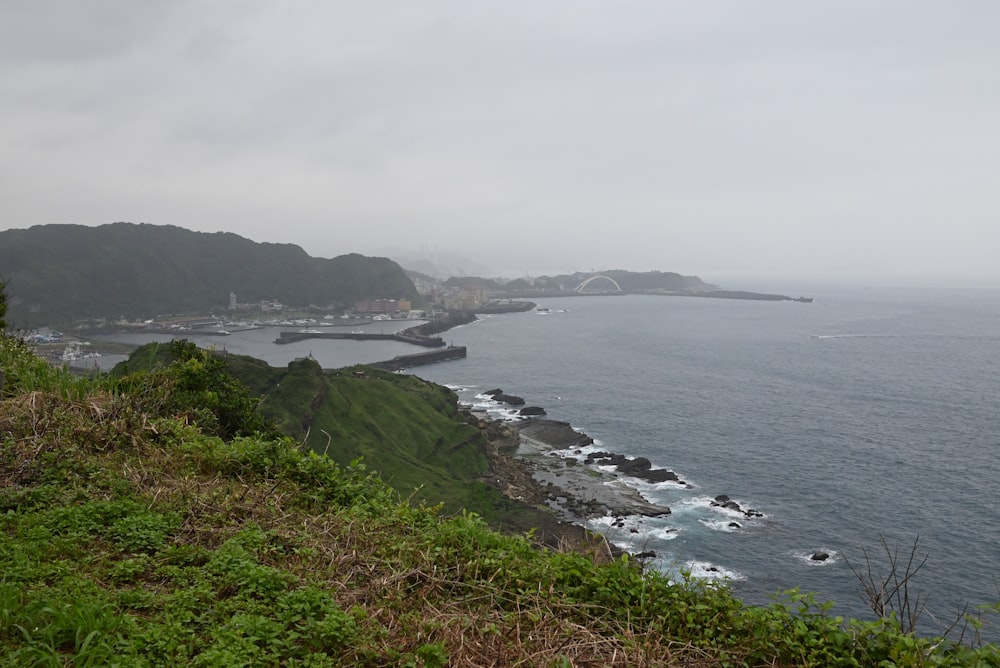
[
  {"x": 819, "y": 556},
  {"x": 648, "y": 554},
  {"x": 509, "y": 399},
  {"x": 735, "y": 525},
  {"x": 555, "y": 433},
  {"x": 634, "y": 466},
  {"x": 657, "y": 475},
  {"x": 721, "y": 499},
  {"x": 607, "y": 459},
  {"x": 532, "y": 410},
  {"x": 493, "y": 393}
]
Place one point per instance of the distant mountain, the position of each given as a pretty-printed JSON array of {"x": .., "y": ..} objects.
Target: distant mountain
[
  {"x": 629, "y": 281},
  {"x": 58, "y": 273},
  {"x": 438, "y": 264}
]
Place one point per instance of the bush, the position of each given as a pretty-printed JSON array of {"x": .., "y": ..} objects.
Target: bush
[{"x": 197, "y": 386}]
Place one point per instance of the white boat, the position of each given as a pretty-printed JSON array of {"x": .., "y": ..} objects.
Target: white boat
[{"x": 73, "y": 352}]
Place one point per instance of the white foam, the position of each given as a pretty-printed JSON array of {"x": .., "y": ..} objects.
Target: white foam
[
  {"x": 647, "y": 486},
  {"x": 665, "y": 533},
  {"x": 635, "y": 532},
  {"x": 580, "y": 454},
  {"x": 724, "y": 526},
  {"x": 604, "y": 521},
  {"x": 806, "y": 556},
  {"x": 852, "y": 336},
  {"x": 710, "y": 503},
  {"x": 706, "y": 570}
]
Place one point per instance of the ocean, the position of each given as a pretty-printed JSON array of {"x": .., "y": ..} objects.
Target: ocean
[
  {"x": 865, "y": 415},
  {"x": 869, "y": 414}
]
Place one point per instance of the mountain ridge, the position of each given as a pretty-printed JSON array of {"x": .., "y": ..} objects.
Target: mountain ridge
[{"x": 58, "y": 273}]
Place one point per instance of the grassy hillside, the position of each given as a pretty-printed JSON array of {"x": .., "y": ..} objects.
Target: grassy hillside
[
  {"x": 130, "y": 536},
  {"x": 405, "y": 428},
  {"x": 408, "y": 431}
]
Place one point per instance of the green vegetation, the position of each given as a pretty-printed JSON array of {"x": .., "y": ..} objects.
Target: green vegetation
[
  {"x": 405, "y": 429},
  {"x": 134, "y": 533},
  {"x": 63, "y": 272},
  {"x": 3, "y": 306}
]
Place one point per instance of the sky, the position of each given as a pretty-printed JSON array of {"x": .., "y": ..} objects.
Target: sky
[{"x": 774, "y": 139}]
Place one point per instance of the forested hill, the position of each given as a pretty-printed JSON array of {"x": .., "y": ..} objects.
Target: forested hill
[{"x": 61, "y": 272}]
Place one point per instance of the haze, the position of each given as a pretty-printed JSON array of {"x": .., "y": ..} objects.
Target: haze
[{"x": 849, "y": 140}]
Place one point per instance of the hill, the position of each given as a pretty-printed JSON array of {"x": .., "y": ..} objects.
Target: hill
[
  {"x": 409, "y": 431},
  {"x": 151, "y": 519},
  {"x": 58, "y": 273}
]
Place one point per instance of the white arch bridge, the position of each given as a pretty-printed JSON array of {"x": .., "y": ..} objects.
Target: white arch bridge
[{"x": 586, "y": 282}]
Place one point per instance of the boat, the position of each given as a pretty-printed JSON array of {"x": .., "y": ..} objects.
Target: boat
[{"x": 73, "y": 352}]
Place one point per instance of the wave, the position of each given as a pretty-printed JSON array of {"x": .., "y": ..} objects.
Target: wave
[
  {"x": 726, "y": 526},
  {"x": 634, "y": 533},
  {"x": 709, "y": 503},
  {"x": 808, "y": 556},
  {"x": 706, "y": 570},
  {"x": 854, "y": 336}
]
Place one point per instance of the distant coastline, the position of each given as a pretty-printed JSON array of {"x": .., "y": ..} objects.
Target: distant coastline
[{"x": 711, "y": 294}]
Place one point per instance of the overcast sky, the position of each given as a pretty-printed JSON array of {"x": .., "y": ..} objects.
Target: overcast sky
[{"x": 780, "y": 139}]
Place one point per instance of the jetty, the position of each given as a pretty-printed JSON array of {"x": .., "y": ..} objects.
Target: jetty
[
  {"x": 403, "y": 337},
  {"x": 401, "y": 362}
]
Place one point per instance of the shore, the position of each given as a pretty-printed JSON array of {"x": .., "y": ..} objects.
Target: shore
[{"x": 524, "y": 468}]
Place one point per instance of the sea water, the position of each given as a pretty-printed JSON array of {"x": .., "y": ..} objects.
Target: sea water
[{"x": 865, "y": 415}]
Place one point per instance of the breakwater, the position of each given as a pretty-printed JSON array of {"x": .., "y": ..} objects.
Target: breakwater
[
  {"x": 404, "y": 337},
  {"x": 438, "y": 325},
  {"x": 506, "y": 306},
  {"x": 401, "y": 362}
]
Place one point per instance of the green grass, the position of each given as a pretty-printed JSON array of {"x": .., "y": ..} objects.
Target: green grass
[{"x": 136, "y": 539}]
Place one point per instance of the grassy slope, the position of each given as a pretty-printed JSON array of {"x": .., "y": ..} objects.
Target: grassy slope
[
  {"x": 384, "y": 419},
  {"x": 407, "y": 430},
  {"x": 133, "y": 539}
]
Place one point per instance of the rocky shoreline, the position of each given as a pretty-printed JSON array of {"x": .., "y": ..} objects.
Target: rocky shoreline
[{"x": 529, "y": 464}]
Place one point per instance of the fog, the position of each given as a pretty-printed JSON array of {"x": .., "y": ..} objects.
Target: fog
[{"x": 854, "y": 141}]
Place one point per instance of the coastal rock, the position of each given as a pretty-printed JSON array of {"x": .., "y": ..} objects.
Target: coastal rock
[
  {"x": 575, "y": 490},
  {"x": 559, "y": 435},
  {"x": 640, "y": 467},
  {"x": 503, "y": 397},
  {"x": 605, "y": 459},
  {"x": 531, "y": 410},
  {"x": 648, "y": 554},
  {"x": 723, "y": 501},
  {"x": 819, "y": 556}
]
